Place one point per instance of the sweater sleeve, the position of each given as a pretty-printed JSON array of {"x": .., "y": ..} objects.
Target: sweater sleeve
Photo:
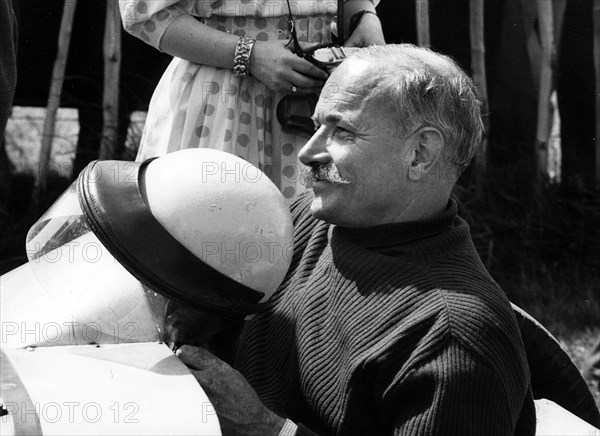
[
  {"x": 149, "y": 19},
  {"x": 455, "y": 393}
]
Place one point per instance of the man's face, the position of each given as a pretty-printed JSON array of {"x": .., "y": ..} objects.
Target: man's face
[{"x": 357, "y": 133}]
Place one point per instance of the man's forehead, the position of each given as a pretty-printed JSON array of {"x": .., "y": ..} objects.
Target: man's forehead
[
  {"x": 352, "y": 88},
  {"x": 357, "y": 76}
]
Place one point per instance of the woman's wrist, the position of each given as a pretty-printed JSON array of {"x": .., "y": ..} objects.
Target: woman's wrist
[
  {"x": 353, "y": 7},
  {"x": 357, "y": 18}
]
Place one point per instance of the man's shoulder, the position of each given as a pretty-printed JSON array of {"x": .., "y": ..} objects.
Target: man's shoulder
[
  {"x": 483, "y": 322},
  {"x": 478, "y": 307}
]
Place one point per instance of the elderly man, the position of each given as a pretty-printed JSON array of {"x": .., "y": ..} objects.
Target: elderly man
[{"x": 387, "y": 322}]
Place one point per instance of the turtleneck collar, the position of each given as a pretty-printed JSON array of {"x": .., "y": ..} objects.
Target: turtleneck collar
[{"x": 387, "y": 238}]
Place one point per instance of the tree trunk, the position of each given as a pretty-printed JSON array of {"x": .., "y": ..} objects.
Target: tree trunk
[
  {"x": 112, "y": 68},
  {"x": 479, "y": 77},
  {"x": 546, "y": 88},
  {"x": 58, "y": 75},
  {"x": 423, "y": 33},
  {"x": 597, "y": 69}
]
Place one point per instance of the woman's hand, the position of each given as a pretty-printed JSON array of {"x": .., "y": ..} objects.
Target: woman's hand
[
  {"x": 273, "y": 64},
  {"x": 368, "y": 32}
]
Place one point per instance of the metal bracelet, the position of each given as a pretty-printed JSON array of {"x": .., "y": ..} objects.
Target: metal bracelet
[{"x": 241, "y": 57}]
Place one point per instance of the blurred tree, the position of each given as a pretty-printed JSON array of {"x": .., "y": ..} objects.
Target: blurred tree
[
  {"x": 141, "y": 69},
  {"x": 576, "y": 94},
  {"x": 511, "y": 69},
  {"x": 8, "y": 77}
]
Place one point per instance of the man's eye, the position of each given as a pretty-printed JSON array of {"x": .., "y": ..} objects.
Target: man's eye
[{"x": 341, "y": 132}]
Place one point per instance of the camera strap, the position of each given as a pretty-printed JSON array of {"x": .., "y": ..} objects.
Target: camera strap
[
  {"x": 341, "y": 37},
  {"x": 294, "y": 111}
]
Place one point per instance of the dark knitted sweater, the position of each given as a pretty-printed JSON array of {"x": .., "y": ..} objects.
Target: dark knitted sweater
[{"x": 403, "y": 334}]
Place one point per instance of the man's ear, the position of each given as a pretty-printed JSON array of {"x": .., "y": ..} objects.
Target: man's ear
[{"x": 428, "y": 144}]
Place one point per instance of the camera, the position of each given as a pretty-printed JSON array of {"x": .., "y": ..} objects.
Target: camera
[
  {"x": 328, "y": 58},
  {"x": 294, "y": 112}
]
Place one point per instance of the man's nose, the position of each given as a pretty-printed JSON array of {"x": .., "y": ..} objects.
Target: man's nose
[{"x": 315, "y": 150}]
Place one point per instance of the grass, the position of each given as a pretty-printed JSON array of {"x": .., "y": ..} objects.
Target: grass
[
  {"x": 543, "y": 248},
  {"x": 577, "y": 344}
]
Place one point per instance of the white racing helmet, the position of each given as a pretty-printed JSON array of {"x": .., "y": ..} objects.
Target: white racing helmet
[{"x": 199, "y": 226}]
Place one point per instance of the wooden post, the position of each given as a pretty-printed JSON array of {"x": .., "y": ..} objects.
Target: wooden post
[
  {"x": 597, "y": 68},
  {"x": 112, "y": 68},
  {"x": 528, "y": 10},
  {"x": 341, "y": 23},
  {"x": 422, "y": 16},
  {"x": 476, "y": 24},
  {"x": 555, "y": 141},
  {"x": 546, "y": 87},
  {"x": 56, "y": 85},
  {"x": 558, "y": 8}
]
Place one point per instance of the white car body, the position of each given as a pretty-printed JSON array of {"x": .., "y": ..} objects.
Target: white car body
[{"x": 89, "y": 363}]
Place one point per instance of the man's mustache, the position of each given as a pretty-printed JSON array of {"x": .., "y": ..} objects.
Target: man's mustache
[{"x": 325, "y": 173}]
